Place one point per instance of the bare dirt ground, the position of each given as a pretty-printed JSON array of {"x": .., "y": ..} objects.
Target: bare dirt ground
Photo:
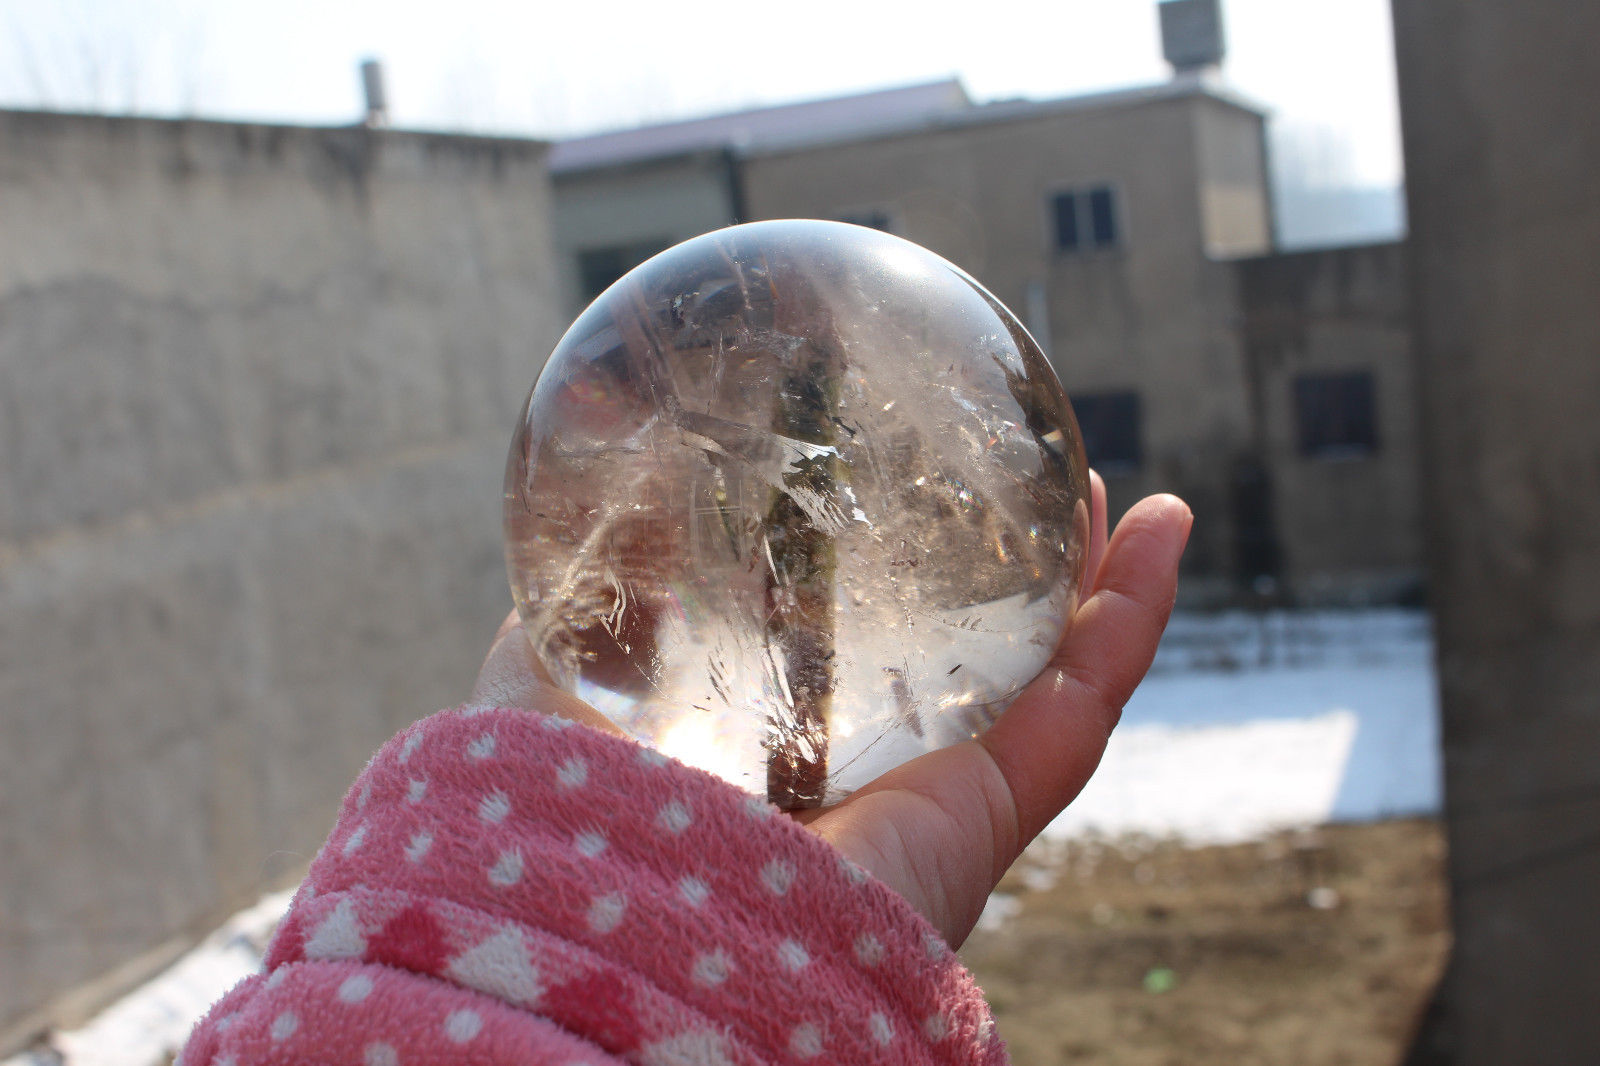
[{"x": 1312, "y": 948}]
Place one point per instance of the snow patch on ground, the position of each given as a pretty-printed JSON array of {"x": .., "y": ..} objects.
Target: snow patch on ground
[
  {"x": 148, "y": 1026},
  {"x": 1219, "y": 759},
  {"x": 1249, "y": 724},
  {"x": 1214, "y": 783}
]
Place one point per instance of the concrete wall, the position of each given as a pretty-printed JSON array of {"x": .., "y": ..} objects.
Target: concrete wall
[
  {"x": 1502, "y": 149},
  {"x": 255, "y": 390},
  {"x": 1234, "y": 186},
  {"x": 664, "y": 201},
  {"x": 1348, "y": 526},
  {"x": 1154, "y": 315}
]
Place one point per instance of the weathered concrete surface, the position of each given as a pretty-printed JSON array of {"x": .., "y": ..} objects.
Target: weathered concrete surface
[
  {"x": 658, "y": 203},
  {"x": 1502, "y": 149},
  {"x": 255, "y": 390},
  {"x": 1348, "y": 526}
]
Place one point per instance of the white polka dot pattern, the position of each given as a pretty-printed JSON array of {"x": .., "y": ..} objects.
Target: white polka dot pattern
[
  {"x": 606, "y": 912},
  {"x": 494, "y": 807},
  {"x": 507, "y": 869},
  {"x": 355, "y": 840},
  {"x": 805, "y": 1041},
  {"x": 355, "y": 989},
  {"x": 792, "y": 956},
  {"x": 573, "y": 773},
  {"x": 380, "y": 1054},
  {"x": 284, "y": 1025},
  {"x": 413, "y": 741},
  {"x": 778, "y": 875},
  {"x": 693, "y": 890},
  {"x": 462, "y": 1026},
  {"x": 674, "y": 817},
  {"x": 539, "y": 882},
  {"x": 712, "y": 968}
]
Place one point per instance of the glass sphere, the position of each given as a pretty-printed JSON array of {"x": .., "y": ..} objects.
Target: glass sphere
[{"x": 795, "y": 502}]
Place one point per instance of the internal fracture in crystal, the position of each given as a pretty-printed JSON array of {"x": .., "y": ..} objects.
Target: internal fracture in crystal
[{"x": 796, "y": 502}]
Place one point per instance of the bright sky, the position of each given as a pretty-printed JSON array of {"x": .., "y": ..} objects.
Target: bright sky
[{"x": 543, "y": 68}]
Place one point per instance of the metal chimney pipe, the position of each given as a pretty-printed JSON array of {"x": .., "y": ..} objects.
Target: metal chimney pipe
[{"x": 372, "y": 89}]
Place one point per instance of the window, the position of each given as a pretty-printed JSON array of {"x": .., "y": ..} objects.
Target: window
[
  {"x": 1085, "y": 219},
  {"x": 1066, "y": 210},
  {"x": 1336, "y": 414},
  {"x": 599, "y": 267},
  {"x": 1112, "y": 435},
  {"x": 1102, "y": 218},
  {"x": 872, "y": 218}
]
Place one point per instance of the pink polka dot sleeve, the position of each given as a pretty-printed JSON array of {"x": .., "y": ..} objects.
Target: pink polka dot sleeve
[{"x": 502, "y": 887}]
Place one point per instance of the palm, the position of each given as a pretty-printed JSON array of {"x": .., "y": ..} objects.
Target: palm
[{"x": 943, "y": 828}]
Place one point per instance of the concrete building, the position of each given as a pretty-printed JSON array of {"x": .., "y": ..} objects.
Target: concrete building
[
  {"x": 1133, "y": 233},
  {"x": 1097, "y": 219},
  {"x": 621, "y": 197},
  {"x": 256, "y": 385},
  {"x": 1330, "y": 375}
]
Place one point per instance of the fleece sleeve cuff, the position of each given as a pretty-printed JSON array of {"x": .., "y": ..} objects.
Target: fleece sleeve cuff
[{"x": 505, "y": 887}]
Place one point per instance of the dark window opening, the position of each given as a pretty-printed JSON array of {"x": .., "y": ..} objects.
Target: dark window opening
[
  {"x": 1066, "y": 212},
  {"x": 1336, "y": 415},
  {"x": 599, "y": 268},
  {"x": 1112, "y": 434},
  {"x": 1085, "y": 219},
  {"x": 1102, "y": 218}
]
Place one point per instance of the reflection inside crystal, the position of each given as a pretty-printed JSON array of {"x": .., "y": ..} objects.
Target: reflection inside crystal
[{"x": 795, "y": 502}]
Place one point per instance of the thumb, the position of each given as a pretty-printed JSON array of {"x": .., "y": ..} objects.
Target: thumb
[{"x": 512, "y": 676}]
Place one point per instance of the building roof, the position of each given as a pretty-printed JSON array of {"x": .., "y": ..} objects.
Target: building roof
[
  {"x": 841, "y": 117},
  {"x": 1181, "y": 87},
  {"x": 910, "y": 109}
]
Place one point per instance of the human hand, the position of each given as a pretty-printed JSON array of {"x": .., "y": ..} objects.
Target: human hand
[{"x": 943, "y": 828}]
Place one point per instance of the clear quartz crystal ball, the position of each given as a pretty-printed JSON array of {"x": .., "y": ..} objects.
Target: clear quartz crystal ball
[{"x": 795, "y": 502}]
